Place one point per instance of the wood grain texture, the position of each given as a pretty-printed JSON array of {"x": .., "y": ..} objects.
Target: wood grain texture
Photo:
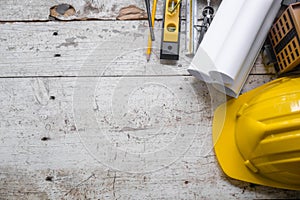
[
  {"x": 84, "y": 116},
  {"x": 30, "y": 10},
  {"x": 46, "y": 152},
  {"x": 34, "y": 10},
  {"x": 86, "y": 49}
]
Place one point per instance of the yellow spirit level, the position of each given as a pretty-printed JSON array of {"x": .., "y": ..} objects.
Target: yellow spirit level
[{"x": 171, "y": 30}]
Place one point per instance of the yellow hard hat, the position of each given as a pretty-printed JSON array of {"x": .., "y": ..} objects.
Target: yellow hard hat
[{"x": 257, "y": 136}]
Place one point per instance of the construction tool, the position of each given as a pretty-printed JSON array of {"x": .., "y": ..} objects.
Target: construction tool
[
  {"x": 171, "y": 30},
  {"x": 150, "y": 19},
  {"x": 148, "y": 52},
  {"x": 207, "y": 13},
  {"x": 191, "y": 31},
  {"x": 256, "y": 136}
]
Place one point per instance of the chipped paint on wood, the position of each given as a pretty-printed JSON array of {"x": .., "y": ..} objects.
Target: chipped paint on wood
[
  {"x": 11, "y": 10},
  {"x": 59, "y": 133},
  {"x": 61, "y": 167},
  {"x": 39, "y": 9},
  {"x": 62, "y": 12},
  {"x": 64, "y": 49},
  {"x": 131, "y": 12}
]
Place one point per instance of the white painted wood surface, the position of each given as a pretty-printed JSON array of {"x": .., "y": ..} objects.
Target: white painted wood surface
[
  {"x": 47, "y": 151},
  {"x": 28, "y": 10},
  {"x": 64, "y": 49},
  {"x": 84, "y": 116}
]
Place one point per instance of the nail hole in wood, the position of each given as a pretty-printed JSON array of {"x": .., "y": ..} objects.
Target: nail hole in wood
[
  {"x": 49, "y": 178},
  {"x": 57, "y": 55},
  {"x": 55, "y": 33},
  {"x": 45, "y": 138},
  {"x": 52, "y": 97}
]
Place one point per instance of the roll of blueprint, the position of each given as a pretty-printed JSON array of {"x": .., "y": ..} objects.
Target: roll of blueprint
[{"x": 232, "y": 43}]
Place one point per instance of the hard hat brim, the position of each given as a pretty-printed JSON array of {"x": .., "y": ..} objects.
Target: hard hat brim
[{"x": 226, "y": 149}]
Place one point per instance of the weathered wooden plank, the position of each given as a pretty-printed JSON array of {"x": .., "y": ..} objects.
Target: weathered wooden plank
[
  {"x": 29, "y": 10},
  {"x": 13, "y": 10},
  {"x": 96, "y": 48},
  {"x": 122, "y": 128},
  {"x": 66, "y": 138},
  {"x": 63, "y": 49}
]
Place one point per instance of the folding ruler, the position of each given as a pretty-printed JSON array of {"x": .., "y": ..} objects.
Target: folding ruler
[{"x": 191, "y": 31}]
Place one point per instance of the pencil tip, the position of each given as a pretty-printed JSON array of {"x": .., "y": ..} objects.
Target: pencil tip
[{"x": 148, "y": 57}]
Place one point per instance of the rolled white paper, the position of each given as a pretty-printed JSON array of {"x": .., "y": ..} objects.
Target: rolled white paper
[{"x": 232, "y": 43}]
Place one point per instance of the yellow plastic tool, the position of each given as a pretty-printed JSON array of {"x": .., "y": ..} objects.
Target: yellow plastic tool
[
  {"x": 257, "y": 136},
  {"x": 171, "y": 30},
  {"x": 148, "y": 52}
]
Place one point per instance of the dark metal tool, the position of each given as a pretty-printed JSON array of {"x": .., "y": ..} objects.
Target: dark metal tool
[
  {"x": 150, "y": 19},
  {"x": 207, "y": 13}
]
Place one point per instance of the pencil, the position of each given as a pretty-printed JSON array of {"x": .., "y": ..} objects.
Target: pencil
[
  {"x": 148, "y": 53},
  {"x": 149, "y": 19}
]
